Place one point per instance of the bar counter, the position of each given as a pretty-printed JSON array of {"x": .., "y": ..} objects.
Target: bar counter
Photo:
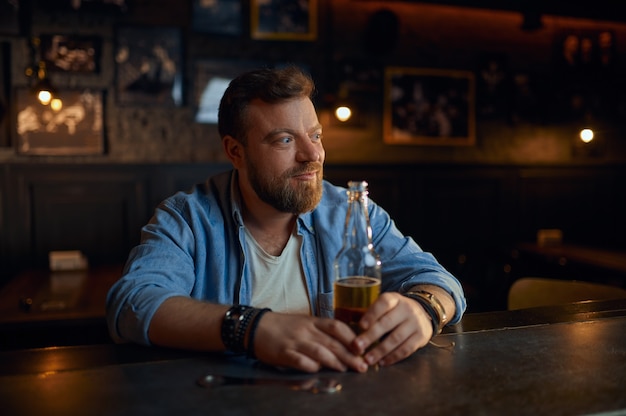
[{"x": 566, "y": 360}]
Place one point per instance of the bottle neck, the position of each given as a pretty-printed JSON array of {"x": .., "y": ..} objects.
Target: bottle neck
[
  {"x": 358, "y": 232},
  {"x": 357, "y": 257}
]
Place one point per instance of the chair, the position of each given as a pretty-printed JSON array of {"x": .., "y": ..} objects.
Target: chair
[{"x": 528, "y": 292}]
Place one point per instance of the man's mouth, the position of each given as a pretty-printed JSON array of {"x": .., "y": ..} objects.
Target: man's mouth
[{"x": 311, "y": 174}]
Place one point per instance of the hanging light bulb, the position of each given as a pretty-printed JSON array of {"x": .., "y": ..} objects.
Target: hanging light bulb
[
  {"x": 44, "y": 96},
  {"x": 586, "y": 135},
  {"x": 343, "y": 113},
  {"x": 343, "y": 106},
  {"x": 43, "y": 88},
  {"x": 56, "y": 104}
]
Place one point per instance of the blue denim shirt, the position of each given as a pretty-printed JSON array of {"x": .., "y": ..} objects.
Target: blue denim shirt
[{"x": 194, "y": 245}]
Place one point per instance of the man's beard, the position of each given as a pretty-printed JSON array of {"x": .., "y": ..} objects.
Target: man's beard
[{"x": 279, "y": 193}]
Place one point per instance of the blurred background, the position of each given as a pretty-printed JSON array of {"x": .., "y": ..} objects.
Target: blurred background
[{"x": 465, "y": 120}]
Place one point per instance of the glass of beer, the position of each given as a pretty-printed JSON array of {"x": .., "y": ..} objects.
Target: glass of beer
[{"x": 353, "y": 295}]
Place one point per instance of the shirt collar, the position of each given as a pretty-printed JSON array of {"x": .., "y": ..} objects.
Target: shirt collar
[{"x": 236, "y": 198}]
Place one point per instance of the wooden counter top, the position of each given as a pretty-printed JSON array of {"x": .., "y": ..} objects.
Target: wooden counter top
[{"x": 509, "y": 363}]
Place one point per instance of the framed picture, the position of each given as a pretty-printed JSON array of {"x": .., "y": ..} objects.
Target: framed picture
[
  {"x": 74, "y": 128},
  {"x": 586, "y": 72},
  {"x": 584, "y": 51},
  {"x": 71, "y": 53},
  {"x": 221, "y": 17},
  {"x": 211, "y": 78},
  {"x": 429, "y": 107},
  {"x": 149, "y": 66},
  {"x": 283, "y": 19}
]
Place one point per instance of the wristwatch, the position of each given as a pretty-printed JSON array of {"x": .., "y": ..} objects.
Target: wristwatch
[{"x": 433, "y": 307}]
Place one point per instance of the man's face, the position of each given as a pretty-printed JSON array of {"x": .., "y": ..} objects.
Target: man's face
[{"x": 284, "y": 155}]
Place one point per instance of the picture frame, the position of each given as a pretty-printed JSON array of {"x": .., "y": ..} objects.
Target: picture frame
[
  {"x": 586, "y": 72},
  {"x": 281, "y": 20},
  {"x": 581, "y": 51},
  {"x": 211, "y": 78},
  {"x": 149, "y": 68},
  {"x": 75, "y": 129},
  {"x": 71, "y": 53},
  {"x": 429, "y": 107},
  {"x": 219, "y": 17}
]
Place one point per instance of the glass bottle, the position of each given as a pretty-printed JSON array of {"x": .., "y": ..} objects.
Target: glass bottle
[{"x": 357, "y": 265}]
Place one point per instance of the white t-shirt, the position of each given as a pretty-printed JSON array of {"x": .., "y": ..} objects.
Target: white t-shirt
[{"x": 278, "y": 281}]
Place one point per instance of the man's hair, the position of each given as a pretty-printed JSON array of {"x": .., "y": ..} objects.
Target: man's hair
[{"x": 269, "y": 85}]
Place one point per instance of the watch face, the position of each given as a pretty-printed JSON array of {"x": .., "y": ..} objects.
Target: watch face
[{"x": 149, "y": 66}]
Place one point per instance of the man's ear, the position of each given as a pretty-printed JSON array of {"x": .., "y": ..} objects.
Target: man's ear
[{"x": 233, "y": 150}]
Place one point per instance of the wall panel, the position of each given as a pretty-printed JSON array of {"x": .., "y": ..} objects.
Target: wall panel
[
  {"x": 5, "y": 270},
  {"x": 580, "y": 204},
  {"x": 95, "y": 209}
]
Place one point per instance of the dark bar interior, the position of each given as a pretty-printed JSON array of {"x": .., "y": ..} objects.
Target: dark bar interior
[{"x": 526, "y": 180}]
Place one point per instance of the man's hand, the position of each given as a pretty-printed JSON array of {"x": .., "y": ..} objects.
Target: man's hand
[
  {"x": 403, "y": 323},
  {"x": 306, "y": 343}
]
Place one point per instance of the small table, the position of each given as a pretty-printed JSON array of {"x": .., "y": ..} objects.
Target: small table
[
  {"x": 40, "y": 308},
  {"x": 610, "y": 260},
  {"x": 571, "y": 262}
]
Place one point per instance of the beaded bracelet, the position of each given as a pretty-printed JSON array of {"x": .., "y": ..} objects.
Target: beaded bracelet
[
  {"x": 234, "y": 327},
  {"x": 253, "y": 327}
]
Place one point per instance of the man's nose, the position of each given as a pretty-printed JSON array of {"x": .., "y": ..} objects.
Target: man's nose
[{"x": 309, "y": 151}]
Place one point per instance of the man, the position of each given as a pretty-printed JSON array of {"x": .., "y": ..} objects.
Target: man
[{"x": 266, "y": 235}]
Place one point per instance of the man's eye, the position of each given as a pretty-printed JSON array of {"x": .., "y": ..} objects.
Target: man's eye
[
  {"x": 317, "y": 137},
  {"x": 285, "y": 140}
]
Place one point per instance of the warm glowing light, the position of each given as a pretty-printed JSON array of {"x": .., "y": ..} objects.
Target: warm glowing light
[
  {"x": 44, "y": 97},
  {"x": 343, "y": 113},
  {"x": 56, "y": 104},
  {"x": 586, "y": 135}
]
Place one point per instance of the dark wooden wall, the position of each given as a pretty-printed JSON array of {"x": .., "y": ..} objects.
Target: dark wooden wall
[
  {"x": 470, "y": 217},
  {"x": 348, "y": 59}
]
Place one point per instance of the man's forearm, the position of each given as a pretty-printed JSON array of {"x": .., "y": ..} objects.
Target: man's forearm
[{"x": 186, "y": 323}]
